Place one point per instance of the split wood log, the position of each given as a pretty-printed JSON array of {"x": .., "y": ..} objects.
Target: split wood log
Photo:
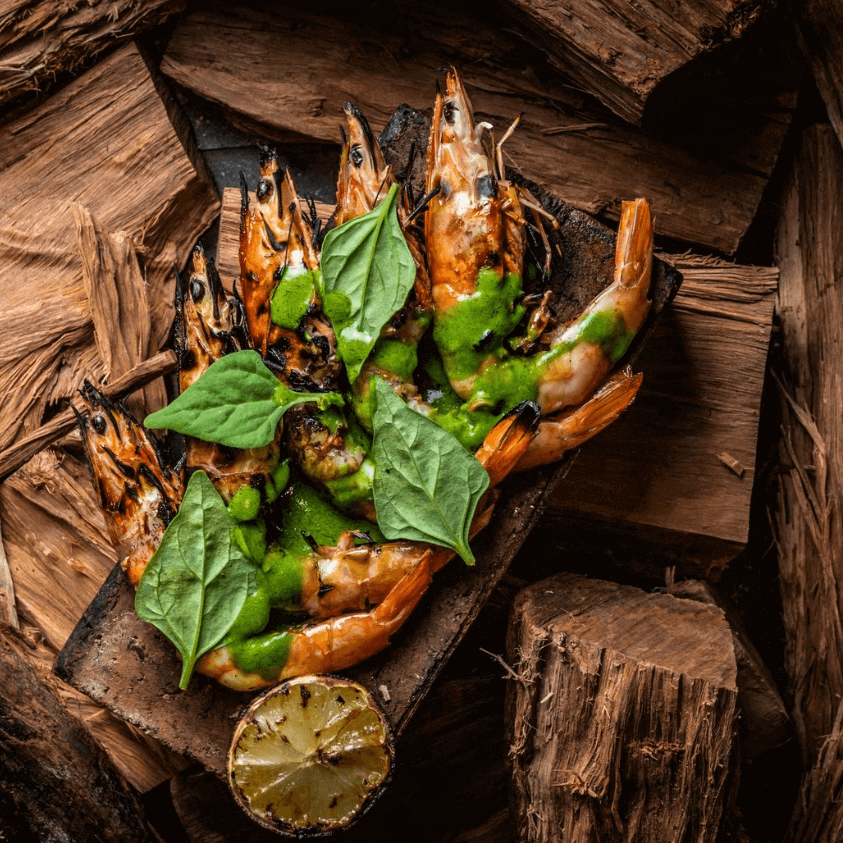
[
  {"x": 43, "y": 38},
  {"x": 819, "y": 28},
  {"x": 126, "y": 163},
  {"x": 677, "y": 469},
  {"x": 621, "y": 52},
  {"x": 808, "y": 520},
  {"x": 56, "y": 782},
  {"x": 621, "y": 698},
  {"x": 291, "y": 74},
  {"x": 59, "y": 553},
  {"x": 8, "y": 604},
  {"x": 764, "y": 721},
  {"x": 119, "y": 306}
]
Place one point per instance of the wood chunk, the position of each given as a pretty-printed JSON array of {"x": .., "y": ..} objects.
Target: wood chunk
[
  {"x": 56, "y": 783},
  {"x": 621, "y": 52},
  {"x": 8, "y": 605},
  {"x": 657, "y": 473},
  {"x": 228, "y": 257},
  {"x": 279, "y": 78},
  {"x": 808, "y": 521},
  {"x": 118, "y": 301},
  {"x": 624, "y": 697},
  {"x": 764, "y": 721},
  {"x": 819, "y": 28},
  {"x": 127, "y": 164},
  {"x": 59, "y": 553},
  {"x": 43, "y": 38}
]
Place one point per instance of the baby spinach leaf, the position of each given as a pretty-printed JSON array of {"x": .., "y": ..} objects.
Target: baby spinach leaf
[
  {"x": 367, "y": 272},
  {"x": 197, "y": 581},
  {"x": 427, "y": 485},
  {"x": 237, "y": 402}
]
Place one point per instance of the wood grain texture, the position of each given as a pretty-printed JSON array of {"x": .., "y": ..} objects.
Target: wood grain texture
[
  {"x": 659, "y": 467},
  {"x": 59, "y": 554},
  {"x": 8, "y": 604},
  {"x": 624, "y": 697},
  {"x": 119, "y": 306},
  {"x": 42, "y": 38},
  {"x": 819, "y": 28},
  {"x": 283, "y": 74},
  {"x": 56, "y": 782},
  {"x": 621, "y": 51},
  {"x": 808, "y": 521},
  {"x": 106, "y": 141}
]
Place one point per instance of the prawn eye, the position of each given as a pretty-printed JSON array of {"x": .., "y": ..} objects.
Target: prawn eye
[
  {"x": 264, "y": 189},
  {"x": 98, "y": 423},
  {"x": 356, "y": 155},
  {"x": 197, "y": 290},
  {"x": 487, "y": 187},
  {"x": 449, "y": 112}
]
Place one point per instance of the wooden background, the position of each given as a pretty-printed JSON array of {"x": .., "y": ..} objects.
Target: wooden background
[{"x": 135, "y": 118}]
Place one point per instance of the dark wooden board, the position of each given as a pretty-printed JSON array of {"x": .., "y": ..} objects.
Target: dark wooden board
[{"x": 125, "y": 665}]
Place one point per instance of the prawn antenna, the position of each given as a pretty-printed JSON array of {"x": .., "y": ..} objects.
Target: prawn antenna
[{"x": 422, "y": 206}]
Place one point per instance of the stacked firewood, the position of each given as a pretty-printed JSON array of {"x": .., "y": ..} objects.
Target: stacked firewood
[{"x": 644, "y": 655}]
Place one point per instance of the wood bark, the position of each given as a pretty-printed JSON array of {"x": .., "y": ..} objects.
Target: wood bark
[
  {"x": 56, "y": 782},
  {"x": 819, "y": 27},
  {"x": 658, "y": 472},
  {"x": 59, "y": 553},
  {"x": 620, "y": 52},
  {"x": 106, "y": 141},
  {"x": 764, "y": 721},
  {"x": 291, "y": 73},
  {"x": 622, "y": 698},
  {"x": 808, "y": 518},
  {"x": 43, "y": 38}
]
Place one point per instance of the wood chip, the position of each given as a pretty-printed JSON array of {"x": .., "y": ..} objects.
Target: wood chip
[
  {"x": 735, "y": 466},
  {"x": 107, "y": 142}
]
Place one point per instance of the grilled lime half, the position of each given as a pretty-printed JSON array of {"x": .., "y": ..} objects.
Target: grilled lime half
[{"x": 310, "y": 755}]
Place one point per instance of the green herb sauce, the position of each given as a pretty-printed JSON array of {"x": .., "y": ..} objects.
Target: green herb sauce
[
  {"x": 292, "y": 296},
  {"x": 307, "y": 516},
  {"x": 475, "y": 328}
]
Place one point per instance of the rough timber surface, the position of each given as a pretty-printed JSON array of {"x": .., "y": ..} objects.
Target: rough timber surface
[
  {"x": 72, "y": 791},
  {"x": 291, "y": 73},
  {"x": 681, "y": 465},
  {"x": 107, "y": 142},
  {"x": 808, "y": 521},
  {"x": 624, "y": 697},
  {"x": 42, "y": 38},
  {"x": 127, "y": 666},
  {"x": 621, "y": 51}
]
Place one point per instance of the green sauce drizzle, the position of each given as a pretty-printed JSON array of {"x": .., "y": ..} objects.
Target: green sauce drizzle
[{"x": 292, "y": 296}]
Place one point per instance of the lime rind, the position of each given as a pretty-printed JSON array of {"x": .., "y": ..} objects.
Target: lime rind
[{"x": 310, "y": 756}]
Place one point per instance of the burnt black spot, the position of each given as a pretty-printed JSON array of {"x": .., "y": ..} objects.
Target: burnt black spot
[
  {"x": 324, "y": 589},
  {"x": 258, "y": 481},
  {"x": 279, "y": 247},
  {"x": 98, "y": 423},
  {"x": 356, "y": 155},
  {"x": 449, "y": 111},
  {"x": 124, "y": 468},
  {"x": 493, "y": 259},
  {"x": 340, "y": 700},
  {"x": 483, "y": 343},
  {"x": 276, "y": 359},
  {"x": 165, "y": 512},
  {"x": 132, "y": 492},
  {"x": 197, "y": 290},
  {"x": 487, "y": 187},
  {"x": 399, "y": 319},
  {"x": 264, "y": 189},
  {"x": 187, "y": 360},
  {"x": 225, "y": 456},
  {"x": 305, "y": 696},
  {"x": 334, "y": 802}
]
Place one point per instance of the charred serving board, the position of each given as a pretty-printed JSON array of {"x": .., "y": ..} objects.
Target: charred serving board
[{"x": 130, "y": 668}]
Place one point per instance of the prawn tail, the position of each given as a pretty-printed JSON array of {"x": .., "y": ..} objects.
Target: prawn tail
[
  {"x": 634, "y": 248},
  {"x": 508, "y": 440},
  {"x": 569, "y": 429}
]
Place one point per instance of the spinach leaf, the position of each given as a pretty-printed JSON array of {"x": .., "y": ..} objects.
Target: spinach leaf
[
  {"x": 426, "y": 485},
  {"x": 197, "y": 581},
  {"x": 367, "y": 272},
  {"x": 237, "y": 402}
]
